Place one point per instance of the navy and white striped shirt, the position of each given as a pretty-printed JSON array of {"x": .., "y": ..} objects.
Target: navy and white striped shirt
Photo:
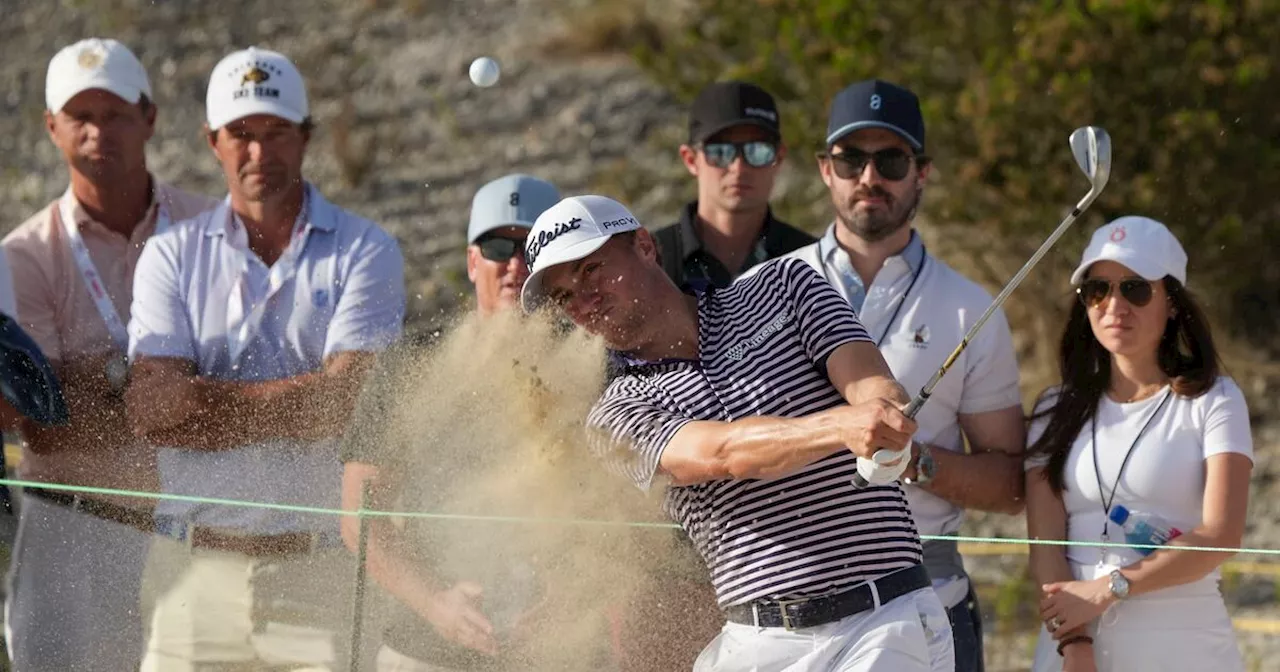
[{"x": 764, "y": 342}]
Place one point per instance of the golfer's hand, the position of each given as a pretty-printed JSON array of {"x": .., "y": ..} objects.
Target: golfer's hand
[
  {"x": 456, "y": 616},
  {"x": 874, "y": 425}
]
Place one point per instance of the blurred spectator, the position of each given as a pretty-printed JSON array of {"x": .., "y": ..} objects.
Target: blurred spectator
[{"x": 72, "y": 265}]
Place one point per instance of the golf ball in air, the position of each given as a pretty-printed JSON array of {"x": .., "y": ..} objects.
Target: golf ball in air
[{"x": 484, "y": 71}]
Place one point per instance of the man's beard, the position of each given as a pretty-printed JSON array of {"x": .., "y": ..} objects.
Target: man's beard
[{"x": 876, "y": 225}]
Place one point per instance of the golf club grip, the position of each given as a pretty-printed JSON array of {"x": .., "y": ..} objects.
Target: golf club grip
[{"x": 918, "y": 402}]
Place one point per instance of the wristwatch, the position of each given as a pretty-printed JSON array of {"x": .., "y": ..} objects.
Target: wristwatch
[
  {"x": 1119, "y": 585},
  {"x": 925, "y": 466}
]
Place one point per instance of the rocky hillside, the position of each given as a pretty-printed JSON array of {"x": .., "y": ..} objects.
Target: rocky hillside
[{"x": 403, "y": 136}]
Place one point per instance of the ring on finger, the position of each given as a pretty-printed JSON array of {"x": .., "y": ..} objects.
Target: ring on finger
[{"x": 1053, "y": 624}]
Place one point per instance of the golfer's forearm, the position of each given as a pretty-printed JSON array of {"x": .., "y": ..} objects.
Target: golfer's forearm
[{"x": 757, "y": 447}]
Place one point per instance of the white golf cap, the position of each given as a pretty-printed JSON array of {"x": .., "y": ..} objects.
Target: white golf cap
[
  {"x": 255, "y": 81},
  {"x": 94, "y": 63},
  {"x": 568, "y": 231},
  {"x": 1142, "y": 244}
]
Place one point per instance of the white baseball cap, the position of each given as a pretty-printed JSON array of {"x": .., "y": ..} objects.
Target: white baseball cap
[
  {"x": 568, "y": 231},
  {"x": 1140, "y": 243},
  {"x": 255, "y": 81},
  {"x": 94, "y": 63}
]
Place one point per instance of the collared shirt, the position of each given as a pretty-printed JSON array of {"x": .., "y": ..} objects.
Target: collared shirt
[
  {"x": 763, "y": 345},
  {"x": 57, "y": 310},
  {"x": 684, "y": 257},
  {"x": 346, "y": 293},
  {"x": 927, "y": 326}
]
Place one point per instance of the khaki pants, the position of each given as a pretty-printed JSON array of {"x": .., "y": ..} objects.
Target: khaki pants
[
  {"x": 225, "y": 612},
  {"x": 390, "y": 660}
]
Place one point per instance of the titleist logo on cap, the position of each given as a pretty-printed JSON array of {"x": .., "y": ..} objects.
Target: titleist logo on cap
[
  {"x": 545, "y": 237},
  {"x": 760, "y": 112}
]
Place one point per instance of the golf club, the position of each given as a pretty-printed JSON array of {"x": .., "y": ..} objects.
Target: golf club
[{"x": 1091, "y": 147}]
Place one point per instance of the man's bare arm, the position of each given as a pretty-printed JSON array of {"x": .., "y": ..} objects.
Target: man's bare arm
[
  {"x": 990, "y": 477},
  {"x": 449, "y": 609},
  {"x": 169, "y": 405},
  {"x": 859, "y": 371},
  {"x": 95, "y": 409}
]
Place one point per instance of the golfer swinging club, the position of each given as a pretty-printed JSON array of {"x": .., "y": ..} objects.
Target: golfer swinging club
[{"x": 753, "y": 401}]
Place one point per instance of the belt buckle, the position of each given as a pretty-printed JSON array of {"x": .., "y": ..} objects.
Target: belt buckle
[{"x": 782, "y": 609}]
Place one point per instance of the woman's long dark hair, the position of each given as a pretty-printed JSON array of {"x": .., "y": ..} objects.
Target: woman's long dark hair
[{"x": 1187, "y": 355}]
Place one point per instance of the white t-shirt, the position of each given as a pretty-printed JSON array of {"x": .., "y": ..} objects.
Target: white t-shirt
[{"x": 1166, "y": 473}]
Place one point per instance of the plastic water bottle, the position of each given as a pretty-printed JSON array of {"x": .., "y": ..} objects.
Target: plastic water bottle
[{"x": 1143, "y": 528}]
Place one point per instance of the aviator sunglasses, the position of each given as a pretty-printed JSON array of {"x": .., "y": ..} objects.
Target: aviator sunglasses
[
  {"x": 892, "y": 164},
  {"x": 497, "y": 248},
  {"x": 1134, "y": 290},
  {"x": 756, "y": 153}
]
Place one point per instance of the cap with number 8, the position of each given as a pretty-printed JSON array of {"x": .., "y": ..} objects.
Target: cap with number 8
[{"x": 510, "y": 200}]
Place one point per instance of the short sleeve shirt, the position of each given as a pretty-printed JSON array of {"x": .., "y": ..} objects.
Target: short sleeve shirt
[
  {"x": 199, "y": 283},
  {"x": 764, "y": 343}
]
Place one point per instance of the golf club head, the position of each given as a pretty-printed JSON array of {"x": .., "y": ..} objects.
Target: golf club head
[{"x": 1092, "y": 148}]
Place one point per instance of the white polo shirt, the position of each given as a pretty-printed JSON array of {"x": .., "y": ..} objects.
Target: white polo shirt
[
  {"x": 941, "y": 308},
  {"x": 8, "y": 303},
  {"x": 346, "y": 293}
]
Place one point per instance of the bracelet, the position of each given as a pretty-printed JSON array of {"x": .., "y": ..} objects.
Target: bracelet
[{"x": 1072, "y": 640}]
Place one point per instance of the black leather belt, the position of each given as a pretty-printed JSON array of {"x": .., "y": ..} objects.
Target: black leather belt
[
  {"x": 139, "y": 520},
  {"x": 814, "y": 611}
]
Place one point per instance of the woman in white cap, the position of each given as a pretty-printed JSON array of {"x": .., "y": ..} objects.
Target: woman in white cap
[{"x": 1142, "y": 427}]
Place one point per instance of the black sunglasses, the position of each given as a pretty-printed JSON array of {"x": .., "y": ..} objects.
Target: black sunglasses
[
  {"x": 892, "y": 164},
  {"x": 497, "y": 248},
  {"x": 1134, "y": 290},
  {"x": 757, "y": 153}
]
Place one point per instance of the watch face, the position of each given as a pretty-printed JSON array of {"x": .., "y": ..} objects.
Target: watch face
[
  {"x": 117, "y": 372},
  {"x": 1119, "y": 584}
]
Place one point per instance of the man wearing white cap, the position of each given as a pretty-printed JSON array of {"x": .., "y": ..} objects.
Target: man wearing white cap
[
  {"x": 72, "y": 264},
  {"x": 252, "y": 328},
  {"x": 752, "y": 402},
  {"x": 437, "y": 621}
]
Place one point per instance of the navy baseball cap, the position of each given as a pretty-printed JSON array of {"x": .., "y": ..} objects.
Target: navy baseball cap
[
  {"x": 510, "y": 200},
  {"x": 27, "y": 380},
  {"x": 876, "y": 104},
  {"x": 724, "y": 104}
]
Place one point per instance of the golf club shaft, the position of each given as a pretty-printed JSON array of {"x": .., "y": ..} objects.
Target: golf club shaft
[
  {"x": 923, "y": 396},
  {"x": 919, "y": 401}
]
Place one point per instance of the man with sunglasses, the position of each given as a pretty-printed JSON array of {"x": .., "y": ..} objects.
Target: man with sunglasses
[
  {"x": 917, "y": 309},
  {"x": 435, "y": 622},
  {"x": 734, "y": 151}
]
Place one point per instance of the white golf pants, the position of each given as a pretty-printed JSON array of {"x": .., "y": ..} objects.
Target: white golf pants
[{"x": 909, "y": 634}]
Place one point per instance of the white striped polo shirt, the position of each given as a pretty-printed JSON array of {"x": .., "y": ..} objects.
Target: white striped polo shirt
[{"x": 763, "y": 341}]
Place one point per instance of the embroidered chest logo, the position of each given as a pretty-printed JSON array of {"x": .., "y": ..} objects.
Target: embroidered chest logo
[
  {"x": 737, "y": 352},
  {"x": 920, "y": 337},
  {"x": 1117, "y": 234}
]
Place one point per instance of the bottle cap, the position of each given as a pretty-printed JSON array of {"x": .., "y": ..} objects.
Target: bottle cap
[{"x": 1119, "y": 514}]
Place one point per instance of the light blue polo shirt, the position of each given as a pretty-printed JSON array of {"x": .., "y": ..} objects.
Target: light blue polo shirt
[{"x": 346, "y": 293}]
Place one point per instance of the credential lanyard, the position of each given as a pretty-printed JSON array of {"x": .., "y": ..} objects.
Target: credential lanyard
[
  {"x": 89, "y": 272},
  {"x": 242, "y": 326},
  {"x": 1097, "y": 471}
]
